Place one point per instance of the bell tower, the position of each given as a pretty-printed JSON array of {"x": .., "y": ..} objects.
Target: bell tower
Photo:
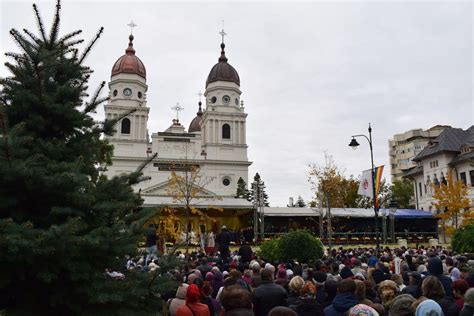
[
  {"x": 127, "y": 92},
  {"x": 223, "y": 124}
]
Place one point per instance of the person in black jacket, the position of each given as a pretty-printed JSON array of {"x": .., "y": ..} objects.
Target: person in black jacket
[
  {"x": 223, "y": 241},
  {"x": 268, "y": 294},
  {"x": 435, "y": 268},
  {"x": 414, "y": 288},
  {"x": 245, "y": 252}
]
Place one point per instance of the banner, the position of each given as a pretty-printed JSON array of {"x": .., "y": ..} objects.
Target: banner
[{"x": 365, "y": 185}]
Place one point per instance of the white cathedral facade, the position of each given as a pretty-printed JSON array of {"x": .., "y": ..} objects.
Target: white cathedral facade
[{"x": 215, "y": 139}]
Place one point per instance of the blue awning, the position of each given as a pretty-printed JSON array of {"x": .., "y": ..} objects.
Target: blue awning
[{"x": 408, "y": 213}]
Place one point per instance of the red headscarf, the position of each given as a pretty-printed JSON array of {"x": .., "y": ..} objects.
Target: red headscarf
[{"x": 193, "y": 295}]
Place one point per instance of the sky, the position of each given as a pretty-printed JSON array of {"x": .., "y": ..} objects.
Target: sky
[{"x": 312, "y": 73}]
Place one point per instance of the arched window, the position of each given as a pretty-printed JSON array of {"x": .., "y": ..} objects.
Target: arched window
[
  {"x": 226, "y": 131},
  {"x": 125, "y": 126}
]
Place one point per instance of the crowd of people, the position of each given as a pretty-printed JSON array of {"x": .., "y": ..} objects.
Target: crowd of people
[{"x": 359, "y": 281}]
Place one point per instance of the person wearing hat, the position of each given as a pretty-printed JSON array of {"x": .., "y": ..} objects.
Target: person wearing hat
[
  {"x": 429, "y": 308},
  {"x": 402, "y": 306},
  {"x": 362, "y": 310}
]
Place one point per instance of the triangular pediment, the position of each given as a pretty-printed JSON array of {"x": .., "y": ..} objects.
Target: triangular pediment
[{"x": 161, "y": 189}]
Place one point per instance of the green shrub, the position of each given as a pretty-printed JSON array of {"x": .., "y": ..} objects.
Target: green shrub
[
  {"x": 269, "y": 250},
  {"x": 463, "y": 239},
  {"x": 296, "y": 245}
]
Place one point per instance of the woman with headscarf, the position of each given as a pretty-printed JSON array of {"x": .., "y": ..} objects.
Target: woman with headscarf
[
  {"x": 282, "y": 278},
  {"x": 179, "y": 300},
  {"x": 429, "y": 308},
  {"x": 217, "y": 283},
  {"x": 363, "y": 309},
  {"x": 193, "y": 307}
]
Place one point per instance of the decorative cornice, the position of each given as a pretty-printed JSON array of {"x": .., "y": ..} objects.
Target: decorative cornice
[
  {"x": 187, "y": 161},
  {"x": 127, "y": 107}
]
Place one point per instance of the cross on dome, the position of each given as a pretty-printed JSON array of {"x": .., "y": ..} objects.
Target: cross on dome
[
  {"x": 200, "y": 95},
  {"x": 222, "y": 33},
  {"x": 132, "y": 25}
]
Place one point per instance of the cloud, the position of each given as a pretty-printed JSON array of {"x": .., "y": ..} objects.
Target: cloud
[{"x": 312, "y": 73}]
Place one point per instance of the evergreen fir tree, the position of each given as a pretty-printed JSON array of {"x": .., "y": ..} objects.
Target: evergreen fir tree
[
  {"x": 242, "y": 191},
  {"x": 300, "y": 202},
  {"x": 257, "y": 186},
  {"x": 62, "y": 222}
]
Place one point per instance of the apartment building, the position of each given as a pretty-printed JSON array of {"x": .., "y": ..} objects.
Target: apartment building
[{"x": 404, "y": 147}]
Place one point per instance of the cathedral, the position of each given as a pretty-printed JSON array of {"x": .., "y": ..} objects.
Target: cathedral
[{"x": 214, "y": 142}]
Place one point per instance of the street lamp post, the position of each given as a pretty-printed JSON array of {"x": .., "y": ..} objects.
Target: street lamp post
[
  {"x": 384, "y": 226},
  {"x": 354, "y": 145},
  {"x": 393, "y": 206}
]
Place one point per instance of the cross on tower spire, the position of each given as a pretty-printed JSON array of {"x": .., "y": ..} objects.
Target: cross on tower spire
[
  {"x": 132, "y": 25},
  {"x": 222, "y": 33},
  {"x": 177, "y": 108}
]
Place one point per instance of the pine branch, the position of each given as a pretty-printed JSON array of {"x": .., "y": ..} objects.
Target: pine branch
[
  {"x": 69, "y": 45},
  {"x": 40, "y": 23},
  {"x": 84, "y": 81},
  {"x": 91, "y": 44},
  {"x": 32, "y": 36},
  {"x": 69, "y": 36},
  {"x": 90, "y": 106},
  {"x": 20, "y": 40},
  {"x": 145, "y": 163},
  {"x": 17, "y": 57},
  {"x": 53, "y": 35}
]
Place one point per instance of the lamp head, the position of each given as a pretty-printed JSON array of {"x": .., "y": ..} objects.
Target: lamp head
[{"x": 353, "y": 144}]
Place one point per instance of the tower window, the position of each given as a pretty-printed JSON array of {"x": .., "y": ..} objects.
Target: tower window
[
  {"x": 213, "y": 100},
  {"x": 226, "y": 131},
  {"x": 226, "y": 182},
  {"x": 115, "y": 93},
  {"x": 139, "y": 95},
  {"x": 125, "y": 126}
]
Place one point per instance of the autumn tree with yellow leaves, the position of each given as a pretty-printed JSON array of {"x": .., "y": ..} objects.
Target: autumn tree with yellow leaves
[
  {"x": 186, "y": 187},
  {"x": 453, "y": 203}
]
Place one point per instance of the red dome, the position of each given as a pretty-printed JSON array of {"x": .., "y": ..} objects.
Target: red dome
[
  {"x": 129, "y": 63},
  {"x": 223, "y": 71},
  {"x": 195, "y": 125}
]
